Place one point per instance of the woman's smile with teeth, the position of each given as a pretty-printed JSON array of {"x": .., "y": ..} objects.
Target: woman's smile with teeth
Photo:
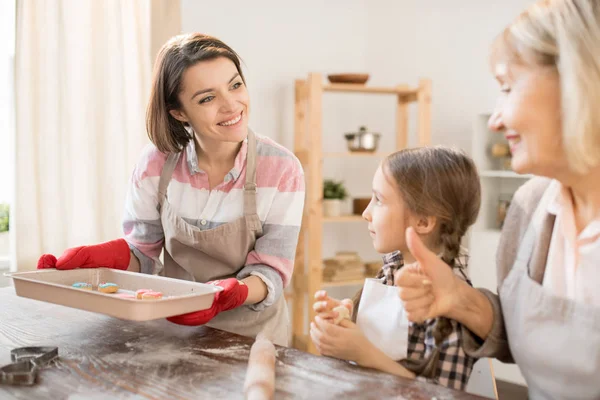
[{"x": 231, "y": 121}]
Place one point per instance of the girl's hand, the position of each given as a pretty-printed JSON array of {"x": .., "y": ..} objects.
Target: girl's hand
[
  {"x": 344, "y": 341},
  {"x": 428, "y": 288},
  {"x": 324, "y": 305}
]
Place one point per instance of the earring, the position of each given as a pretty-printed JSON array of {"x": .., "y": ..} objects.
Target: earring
[{"x": 188, "y": 128}]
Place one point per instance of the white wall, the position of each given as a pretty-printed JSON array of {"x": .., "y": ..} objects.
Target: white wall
[
  {"x": 280, "y": 42},
  {"x": 446, "y": 41},
  {"x": 283, "y": 41}
]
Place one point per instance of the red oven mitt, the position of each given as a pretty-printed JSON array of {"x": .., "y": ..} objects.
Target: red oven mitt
[
  {"x": 112, "y": 254},
  {"x": 233, "y": 295}
]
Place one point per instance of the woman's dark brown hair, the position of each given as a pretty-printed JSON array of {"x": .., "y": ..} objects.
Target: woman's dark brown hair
[
  {"x": 443, "y": 183},
  {"x": 175, "y": 57}
]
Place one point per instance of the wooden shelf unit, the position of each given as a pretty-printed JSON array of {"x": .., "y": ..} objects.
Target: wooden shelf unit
[
  {"x": 344, "y": 218},
  {"x": 403, "y": 91},
  {"x": 308, "y": 148}
]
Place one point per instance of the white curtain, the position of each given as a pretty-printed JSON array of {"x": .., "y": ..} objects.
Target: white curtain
[{"x": 82, "y": 80}]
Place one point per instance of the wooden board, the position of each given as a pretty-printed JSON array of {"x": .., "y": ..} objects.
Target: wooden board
[
  {"x": 314, "y": 195},
  {"x": 350, "y": 87}
]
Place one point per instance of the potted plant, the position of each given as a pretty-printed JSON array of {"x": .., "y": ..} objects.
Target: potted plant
[{"x": 333, "y": 194}]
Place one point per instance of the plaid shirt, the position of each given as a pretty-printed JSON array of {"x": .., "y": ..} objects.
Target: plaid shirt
[{"x": 454, "y": 366}]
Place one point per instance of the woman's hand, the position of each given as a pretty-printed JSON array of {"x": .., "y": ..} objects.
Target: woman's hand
[
  {"x": 112, "y": 254},
  {"x": 428, "y": 288},
  {"x": 324, "y": 305},
  {"x": 233, "y": 295},
  {"x": 344, "y": 341}
]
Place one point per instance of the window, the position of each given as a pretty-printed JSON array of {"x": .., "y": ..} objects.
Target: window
[{"x": 7, "y": 58}]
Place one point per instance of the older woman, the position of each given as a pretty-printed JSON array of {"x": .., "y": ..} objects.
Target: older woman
[
  {"x": 546, "y": 315},
  {"x": 223, "y": 203}
]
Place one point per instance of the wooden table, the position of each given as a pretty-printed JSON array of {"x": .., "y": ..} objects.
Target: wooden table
[{"x": 103, "y": 357}]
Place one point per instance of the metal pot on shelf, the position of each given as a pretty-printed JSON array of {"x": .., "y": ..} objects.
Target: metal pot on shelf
[{"x": 363, "y": 140}]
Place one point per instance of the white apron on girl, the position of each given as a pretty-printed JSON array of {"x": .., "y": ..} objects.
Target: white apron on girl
[{"x": 382, "y": 318}]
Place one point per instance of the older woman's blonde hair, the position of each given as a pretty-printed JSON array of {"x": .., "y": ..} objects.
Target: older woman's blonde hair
[{"x": 564, "y": 34}]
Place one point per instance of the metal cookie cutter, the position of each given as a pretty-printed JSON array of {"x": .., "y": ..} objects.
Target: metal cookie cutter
[{"x": 26, "y": 362}]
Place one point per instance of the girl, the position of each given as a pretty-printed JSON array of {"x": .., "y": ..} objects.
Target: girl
[{"x": 434, "y": 192}]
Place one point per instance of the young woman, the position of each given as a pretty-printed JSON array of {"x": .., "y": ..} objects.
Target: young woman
[{"x": 223, "y": 203}]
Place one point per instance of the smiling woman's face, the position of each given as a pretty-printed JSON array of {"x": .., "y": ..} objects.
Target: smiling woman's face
[
  {"x": 214, "y": 101},
  {"x": 528, "y": 113}
]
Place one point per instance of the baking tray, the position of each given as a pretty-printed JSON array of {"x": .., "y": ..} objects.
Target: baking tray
[{"x": 54, "y": 286}]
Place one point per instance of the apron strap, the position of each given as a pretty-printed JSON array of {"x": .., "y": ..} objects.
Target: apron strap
[
  {"x": 531, "y": 234},
  {"x": 165, "y": 176},
  {"x": 250, "y": 185}
]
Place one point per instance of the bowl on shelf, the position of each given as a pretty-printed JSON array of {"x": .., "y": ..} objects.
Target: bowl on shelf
[{"x": 359, "y": 79}]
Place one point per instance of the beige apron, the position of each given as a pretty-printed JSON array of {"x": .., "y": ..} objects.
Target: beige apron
[
  {"x": 219, "y": 253},
  {"x": 554, "y": 341}
]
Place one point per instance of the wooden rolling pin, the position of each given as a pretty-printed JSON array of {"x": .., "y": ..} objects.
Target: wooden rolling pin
[{"x": 260, "y": 376}]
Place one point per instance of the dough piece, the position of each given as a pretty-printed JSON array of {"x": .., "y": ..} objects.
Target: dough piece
[
  {"x": 108, "y": 287},
  {"x": 343, "y": 313},
  {"x": 152, "y": 295},
  {"x": 140, "y": 292},
  {"x": 82, "y": 285}
]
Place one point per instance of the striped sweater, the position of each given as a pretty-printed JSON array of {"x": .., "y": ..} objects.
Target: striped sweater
[{"x": 280, "y": 203}]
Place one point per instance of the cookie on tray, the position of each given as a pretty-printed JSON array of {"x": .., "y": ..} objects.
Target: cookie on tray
[
  {"x": 82, "y": 285},
  {"x": 108, "y": 287}
]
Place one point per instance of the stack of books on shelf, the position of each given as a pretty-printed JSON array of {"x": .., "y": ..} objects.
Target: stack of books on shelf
[
  {"x": 345, "y": 266},
  {"x": 372, "y": 268}
]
